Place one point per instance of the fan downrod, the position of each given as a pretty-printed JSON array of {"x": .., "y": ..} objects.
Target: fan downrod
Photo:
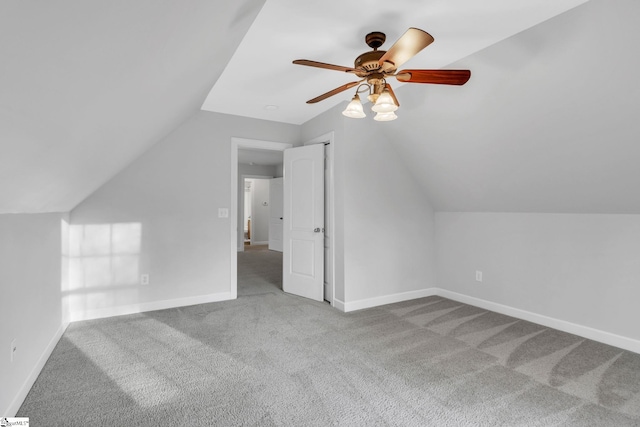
[{"x": 375, "y": 39}]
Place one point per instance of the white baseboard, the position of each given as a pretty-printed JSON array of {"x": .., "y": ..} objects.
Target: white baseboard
[
  {"x": 561, "y": 325},
  {"x": 619, "y": 341},
  {"x": 338, "y": 304},
  {"x": 386, "y": 299},
  {"x": 100, "y": 313},
  {"x": 35, "y": 371}
]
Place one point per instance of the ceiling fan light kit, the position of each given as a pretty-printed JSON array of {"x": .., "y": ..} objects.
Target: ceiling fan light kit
[
  {"x": 384, "y": 103},
  {"x": 354, "y": 109},
  {"x": 385, "y": 117},
  {"x": 374, "y": 67}
]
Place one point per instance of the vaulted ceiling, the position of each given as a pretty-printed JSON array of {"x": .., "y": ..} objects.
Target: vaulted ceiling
[
  {"x": 547, "y": 123},
  {"x": 88, "y": 86},
  {"x": 261, "y": 82}
]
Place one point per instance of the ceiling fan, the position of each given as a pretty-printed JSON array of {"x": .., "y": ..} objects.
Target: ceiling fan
[{"x": 375, "y": 66}]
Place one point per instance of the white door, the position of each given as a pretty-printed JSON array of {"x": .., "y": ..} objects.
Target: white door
[
  {"x": 303, "y": 222},
  {"x": 276, "y": 210}
]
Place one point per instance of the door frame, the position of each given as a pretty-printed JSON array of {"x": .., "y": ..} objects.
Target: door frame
[
  {"x": 328, "y": 139},
  {"x": 237, "y": 143}
]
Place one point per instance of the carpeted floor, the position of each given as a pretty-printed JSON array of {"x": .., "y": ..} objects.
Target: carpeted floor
[{"x": 271, "y": 359}]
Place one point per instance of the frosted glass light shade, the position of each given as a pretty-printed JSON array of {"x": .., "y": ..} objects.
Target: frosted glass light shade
[
  {"x": 354, "y": 109},
  {"x": 385, "y": 117},
  {"x": 385, "y": 103}
]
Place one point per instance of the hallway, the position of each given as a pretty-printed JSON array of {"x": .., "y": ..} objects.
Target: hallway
[{"x": 259, "y": 271}]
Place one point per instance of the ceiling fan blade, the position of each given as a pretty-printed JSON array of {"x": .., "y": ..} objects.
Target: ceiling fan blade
[
  {"x": 323, "y": 65},
  {"x": 441, "y": 77},
  {"x": 333, "y": 92},
  {"x": 393, "y": 95},
  {"x": 411, "y": 42}
]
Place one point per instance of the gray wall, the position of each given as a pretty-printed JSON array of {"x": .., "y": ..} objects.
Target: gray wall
[
  {"x": 173, "y": 192},
  {"x": 31, "y": 291},
  {"x": 260, "y": 212},
  {"x": 547, "y": 122},
  {"x": 582, "y": 269},
  {"x": 384, "y": 221},
  {"x": 388, "y": 219}
]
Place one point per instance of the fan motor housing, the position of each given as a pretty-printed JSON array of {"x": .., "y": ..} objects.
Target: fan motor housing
[{"x": 370, "y": 61}]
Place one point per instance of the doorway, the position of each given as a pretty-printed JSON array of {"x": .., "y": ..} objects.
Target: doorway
[
  {"x": 256, "y": 210},
  {"x": 236, "y": 228}
]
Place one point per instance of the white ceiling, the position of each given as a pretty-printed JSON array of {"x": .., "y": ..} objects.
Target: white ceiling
[
  {"x": 260, "y": 72},
  {"x": 260, "y": 157},
  {"x": 547, "y": 122}
]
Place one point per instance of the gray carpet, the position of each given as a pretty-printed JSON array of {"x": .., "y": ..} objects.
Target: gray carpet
[{"x": 270, "y": 359}]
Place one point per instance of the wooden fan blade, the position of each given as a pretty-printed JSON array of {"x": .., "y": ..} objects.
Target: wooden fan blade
[
  {"x": 440, "y": 77},
  {"x": 393, "y": 95},
  {"x": 333, "y": 92},
  {"x": 411, "y": 42},
  {"x": 323, "y": 65}
]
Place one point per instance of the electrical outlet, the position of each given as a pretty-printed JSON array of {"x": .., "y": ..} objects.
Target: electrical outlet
[
  {"x": 14, "y": 349},
  {"x": 478, "y": 276},
  {"x": 223, "y": 213},
  {"x": 144, "y": 279}
]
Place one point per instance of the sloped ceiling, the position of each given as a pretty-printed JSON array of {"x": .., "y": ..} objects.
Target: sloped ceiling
[
  {"x": 86, "y": 86},
  {"x": 547, "y": 123},
  {"x": 261, "y": 74}
]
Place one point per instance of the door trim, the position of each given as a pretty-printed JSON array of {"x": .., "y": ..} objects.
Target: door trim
[
  {"x": 328, "y": 138},
  {"x": 233, "y": 209}
]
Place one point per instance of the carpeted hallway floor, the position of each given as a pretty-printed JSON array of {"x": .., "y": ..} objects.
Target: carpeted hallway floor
[
  {"x": 271, "y": 359},
  {"x": 259, "y": 270}
]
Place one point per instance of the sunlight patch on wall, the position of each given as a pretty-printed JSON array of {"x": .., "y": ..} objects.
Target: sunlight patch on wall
[{"x": 103, "y": 266}]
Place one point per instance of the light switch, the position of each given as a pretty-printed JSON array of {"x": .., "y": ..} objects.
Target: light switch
[{"x": 223, "y": 213}]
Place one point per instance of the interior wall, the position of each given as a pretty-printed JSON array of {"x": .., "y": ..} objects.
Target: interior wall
[
  {"x": 31, "y": 293},
  {"x": 257, "y": 170},
  {"x": 384, "y": 220},
  {"x": 260, "y": 211},
  {"x": 582, "y": 269},
  {"x": 547, "y": 122},
  {"x": 388, "y": 221},
  {"x": 167, "y": 203}
]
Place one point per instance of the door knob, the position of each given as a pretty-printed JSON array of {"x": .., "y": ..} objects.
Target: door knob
[{"x": 316, "y": 230}]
